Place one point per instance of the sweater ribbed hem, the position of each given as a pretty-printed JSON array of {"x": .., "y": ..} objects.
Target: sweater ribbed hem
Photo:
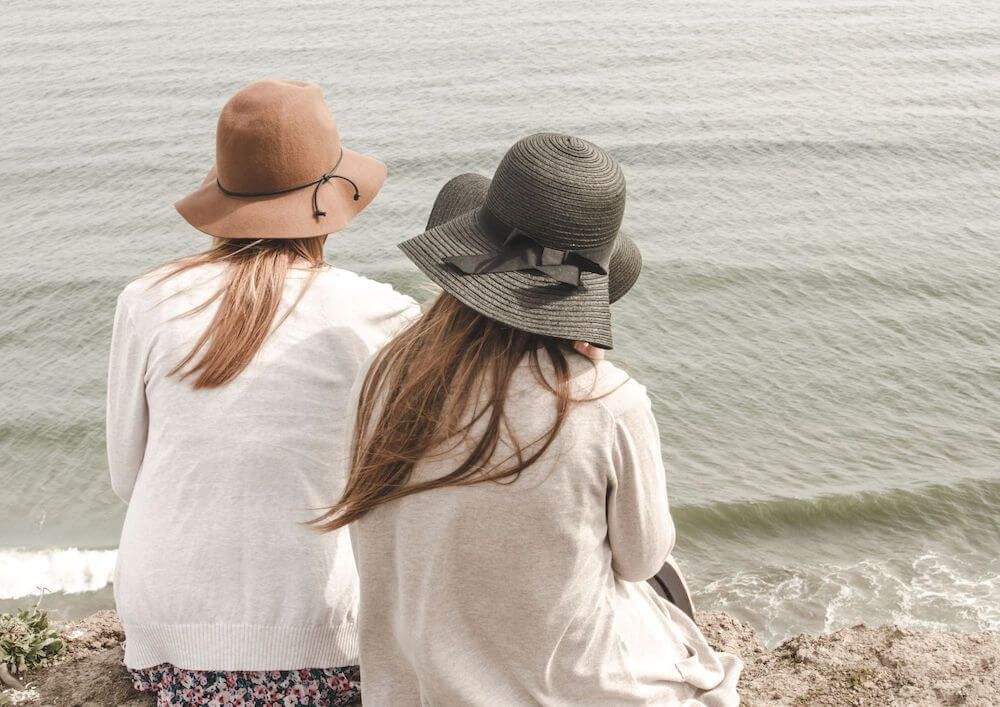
[{"x": 240, "y": 646}]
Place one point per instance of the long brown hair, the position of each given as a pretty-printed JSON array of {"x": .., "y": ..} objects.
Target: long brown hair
[
  {"x": 426, "y": 389},
  {"x": 250, "y": 296}
]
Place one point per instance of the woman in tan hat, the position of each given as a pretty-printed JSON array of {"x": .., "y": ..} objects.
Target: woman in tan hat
[
  {"x": 229, "y": 377},
  {"x": 507, "y": 498}
]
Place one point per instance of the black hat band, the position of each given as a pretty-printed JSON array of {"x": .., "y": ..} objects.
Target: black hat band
[
  {"x": 519, "y": 251},
  {"x": 317, "y": 212}
]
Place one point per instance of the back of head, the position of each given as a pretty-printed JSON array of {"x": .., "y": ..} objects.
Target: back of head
[
  {"x": 428, "y": 386},
  {"x": 255, "y": 273},
  {"x": 281, "y": 173}
]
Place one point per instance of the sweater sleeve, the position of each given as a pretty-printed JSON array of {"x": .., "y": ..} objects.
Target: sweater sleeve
[
  {"x": 640, "y": 529},
  {"x": 127, "y": 412}
]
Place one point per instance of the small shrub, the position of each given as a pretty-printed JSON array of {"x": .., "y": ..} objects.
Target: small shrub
[{"x": 27, "y": 641}]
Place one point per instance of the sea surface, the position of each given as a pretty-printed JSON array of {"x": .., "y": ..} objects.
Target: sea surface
[{"x": 815, "y": 186}]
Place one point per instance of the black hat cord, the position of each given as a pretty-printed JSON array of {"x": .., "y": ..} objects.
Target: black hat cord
[{"x": 317, "y": 212}]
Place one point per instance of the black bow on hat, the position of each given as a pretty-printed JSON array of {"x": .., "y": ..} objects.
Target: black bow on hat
[{"x": 520, "y": 252}]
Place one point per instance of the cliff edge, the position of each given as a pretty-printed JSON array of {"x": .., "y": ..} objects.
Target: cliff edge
[{"x": 860, "y": 665}]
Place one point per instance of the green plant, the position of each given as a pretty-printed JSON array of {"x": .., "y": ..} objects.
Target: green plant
[{"x": 27, "y": 641}]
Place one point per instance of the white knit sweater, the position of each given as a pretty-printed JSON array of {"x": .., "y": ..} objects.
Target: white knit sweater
[
  {"x": 215, "y": 569},
  {"x": 533, "y": 592}
]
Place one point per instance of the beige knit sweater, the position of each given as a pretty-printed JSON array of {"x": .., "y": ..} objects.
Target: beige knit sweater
[{"x": 534, "y": 592}]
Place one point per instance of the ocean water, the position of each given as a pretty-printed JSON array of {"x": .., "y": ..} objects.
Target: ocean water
[{"x": 815, "y": 187}]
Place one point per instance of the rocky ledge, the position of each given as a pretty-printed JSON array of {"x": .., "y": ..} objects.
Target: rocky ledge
[{"x": 860, "y": 665}]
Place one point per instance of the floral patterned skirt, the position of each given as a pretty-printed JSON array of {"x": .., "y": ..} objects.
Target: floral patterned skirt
[{"x": 318, "y": 687}]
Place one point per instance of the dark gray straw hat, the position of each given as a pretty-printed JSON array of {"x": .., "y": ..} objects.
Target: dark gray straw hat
[
  {"x": 467, "y": 192},
  {"x": 536, "y": 255}
]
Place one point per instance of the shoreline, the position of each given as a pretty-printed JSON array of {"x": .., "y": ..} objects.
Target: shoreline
[{"x": 860, "y": 665}]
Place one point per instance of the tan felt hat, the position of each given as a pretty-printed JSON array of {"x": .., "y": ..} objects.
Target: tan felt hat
[{"x": 280, "y": 170}]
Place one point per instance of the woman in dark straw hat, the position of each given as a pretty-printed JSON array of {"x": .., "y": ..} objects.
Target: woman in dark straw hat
[
  {"x": 506, "y": 495},
  {"x": 229, "y": 374},
  {"x": 467, "y": 192}
]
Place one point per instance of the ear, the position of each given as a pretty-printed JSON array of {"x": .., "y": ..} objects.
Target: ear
[{"x": 589, "y": 350}]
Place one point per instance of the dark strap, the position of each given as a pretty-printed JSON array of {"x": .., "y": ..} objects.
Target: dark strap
[
  {"x": 318, "y": 182},
  {"x": 518, "y": 251}
]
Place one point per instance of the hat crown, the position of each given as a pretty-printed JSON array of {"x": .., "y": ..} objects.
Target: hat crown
[
  {"x": 460, "y": 195},
  {"x": 564, "y": 192},
  {"x": 274, "y": 135}
]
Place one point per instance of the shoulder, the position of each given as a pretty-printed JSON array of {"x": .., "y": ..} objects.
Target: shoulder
[
  {"x": 613, "y": 390},
  {"x": 373, "y": 310},
  {"x": 139, "y": 288},
  {"x": 152, "y": 287},
  {"x": 363, "y": 290},
  {"x": 138, "y": 292},
  {"x": 363, "y": 299}
]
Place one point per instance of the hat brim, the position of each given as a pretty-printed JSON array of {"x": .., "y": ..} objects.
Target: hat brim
[
  {"x": 525, "y": 300},
  {"x": 467, "y": 192},
  {"x": 624, "y": 268},
  {"x": 287, "y": 215}
]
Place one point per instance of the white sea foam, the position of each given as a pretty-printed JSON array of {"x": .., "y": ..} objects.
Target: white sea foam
[
  {"x": 27, "y": 572},
  {"x": 933, "y": 591}
]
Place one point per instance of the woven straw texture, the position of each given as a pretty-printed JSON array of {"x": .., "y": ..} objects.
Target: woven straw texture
[
  {"x": 458, "y": 196},
  {"x": 467, "y": 192},
  {"x": 566, "y": 193},
  {"x": 624, "y": 268},
  {"x": 524, "y": 300}
]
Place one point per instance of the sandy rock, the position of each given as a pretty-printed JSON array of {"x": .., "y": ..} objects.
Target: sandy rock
[
  {"x": 724, "y": 633},
  {"x": 859, "y": 666}
]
